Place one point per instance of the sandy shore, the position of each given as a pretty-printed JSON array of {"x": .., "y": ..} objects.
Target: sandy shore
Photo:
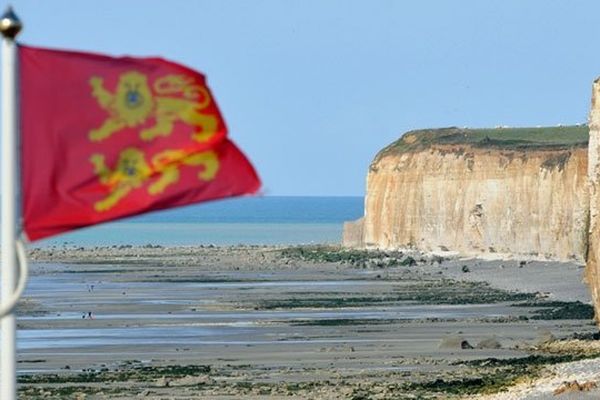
[{"x": 305, "y": 323}]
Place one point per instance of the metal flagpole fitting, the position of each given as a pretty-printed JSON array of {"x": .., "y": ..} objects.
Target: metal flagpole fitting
[{"x": 10, "y": 26}]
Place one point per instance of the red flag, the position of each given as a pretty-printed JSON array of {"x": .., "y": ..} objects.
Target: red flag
[{"x": 104, "y": 138}]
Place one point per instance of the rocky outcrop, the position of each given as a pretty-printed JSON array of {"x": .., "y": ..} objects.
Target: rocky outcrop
[
  {"x": 353, "y": 233},
  {"x": 504, "y": 191}
]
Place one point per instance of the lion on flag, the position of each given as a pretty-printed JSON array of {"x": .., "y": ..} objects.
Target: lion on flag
[
  {"x": 132, "y": 171},
  {"x": 133, "y": 103}
]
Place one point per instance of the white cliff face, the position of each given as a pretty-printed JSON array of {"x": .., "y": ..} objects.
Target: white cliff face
[
  {"x": 592, "y": 266},
  {"x": 475, "y": 200}
]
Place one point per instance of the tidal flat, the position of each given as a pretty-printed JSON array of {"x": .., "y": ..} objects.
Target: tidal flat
[{"x": 308, "y": 322}]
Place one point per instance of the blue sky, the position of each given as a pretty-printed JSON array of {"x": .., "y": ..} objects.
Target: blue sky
[{"x": 312, "y": 89}]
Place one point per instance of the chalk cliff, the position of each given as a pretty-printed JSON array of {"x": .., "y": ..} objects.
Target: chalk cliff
[
  {"x": 520, "y": 191},
  {"x": 592, "y": 268}
]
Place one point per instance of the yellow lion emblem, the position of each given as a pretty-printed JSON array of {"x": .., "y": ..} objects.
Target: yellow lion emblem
[
  {"x": 133, "y": 103},
  {"x": 132, "y": 171}
]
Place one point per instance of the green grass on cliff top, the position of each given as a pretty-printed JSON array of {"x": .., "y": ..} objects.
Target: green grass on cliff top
[{"x": 558, "y": 137}]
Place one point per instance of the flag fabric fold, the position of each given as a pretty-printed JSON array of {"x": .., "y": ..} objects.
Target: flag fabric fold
[{"x": 104, "y": 138}]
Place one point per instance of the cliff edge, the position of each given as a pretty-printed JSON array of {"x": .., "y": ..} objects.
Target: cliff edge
[{"x": 509, "y": 191}]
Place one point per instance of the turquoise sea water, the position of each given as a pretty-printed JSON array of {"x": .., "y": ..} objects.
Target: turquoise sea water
[{"x": 250, "y": 220}]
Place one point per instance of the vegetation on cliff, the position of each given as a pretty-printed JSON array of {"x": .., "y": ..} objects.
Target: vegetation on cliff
[{"x": 555, "y": 138}]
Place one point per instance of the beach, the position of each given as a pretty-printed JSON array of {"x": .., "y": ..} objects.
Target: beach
[{"x": 304, "y": 322}]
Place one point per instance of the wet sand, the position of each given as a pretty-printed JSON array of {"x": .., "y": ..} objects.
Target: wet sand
[{"x": 307, "y": 323}]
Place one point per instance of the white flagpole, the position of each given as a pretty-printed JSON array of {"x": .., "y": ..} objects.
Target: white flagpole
[{"x": 9, "y": 27}]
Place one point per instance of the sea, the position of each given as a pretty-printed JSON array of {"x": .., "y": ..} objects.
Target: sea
[{"x": 266, "y": 220}]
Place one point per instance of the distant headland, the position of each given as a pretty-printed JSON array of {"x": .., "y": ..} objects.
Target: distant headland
[{"x": 501, "y": 192}]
